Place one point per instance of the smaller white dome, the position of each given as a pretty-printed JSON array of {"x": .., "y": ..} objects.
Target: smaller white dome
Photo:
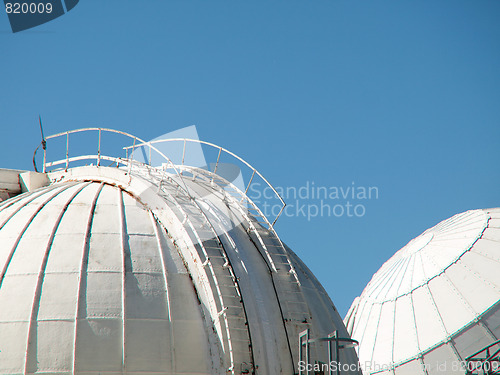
[{"x": 435, "y": 301}]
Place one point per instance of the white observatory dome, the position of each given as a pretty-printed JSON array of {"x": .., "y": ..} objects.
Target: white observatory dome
[
  {"x": 133, "y": 270},
  {"x": 435, "y": 302}
]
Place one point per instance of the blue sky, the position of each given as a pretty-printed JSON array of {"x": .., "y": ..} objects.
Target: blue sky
[{"x": 401, "y": 95}]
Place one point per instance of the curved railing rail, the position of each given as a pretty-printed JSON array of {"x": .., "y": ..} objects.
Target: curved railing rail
[
  {"x": 220, "y": 150},
  {"x": 128, "y": 160}
]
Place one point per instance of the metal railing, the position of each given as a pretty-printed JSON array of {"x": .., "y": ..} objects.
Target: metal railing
[
  {"x": 128, "y": 160},
  {"x": 125, "y": 162},
  {"x": 335, "y": 345},
  {"x": 66, "y": 161},
  {"x": 485, "y": 361},
  {"x": 220, "y": 152}
]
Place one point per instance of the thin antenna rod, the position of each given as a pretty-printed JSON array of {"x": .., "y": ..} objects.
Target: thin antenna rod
[{"x": 44, "y": 145}]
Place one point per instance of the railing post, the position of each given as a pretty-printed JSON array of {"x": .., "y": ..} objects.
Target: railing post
[
  {"x": 217, "y": 162},
  {"x": 337, "y": 351},
  {"x": 304, "y": 342},
  {"x": 183, "y": 155},
  {"x": 131, "y": 157},
  {"x": 44, "y": 160},
  {"x": 99, "y": 149},
  {"x": 183, "y": 152},
  {"x": 67, "y": 151},
  {"x": 330, "y": 355},
  {"x": 133, "y": 149},
  {"x": 279, "y": 214},
  {"x": 249, "y": 182},
  {"x": 149, "y": 145}
]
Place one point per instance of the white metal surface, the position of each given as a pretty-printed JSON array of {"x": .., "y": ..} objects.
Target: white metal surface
[
  {"x": 131, "y": 271},
  {"x": 435, "y": 302}
]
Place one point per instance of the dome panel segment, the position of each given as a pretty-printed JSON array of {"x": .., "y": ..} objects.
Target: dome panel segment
[{"x": 405, "y": 338}]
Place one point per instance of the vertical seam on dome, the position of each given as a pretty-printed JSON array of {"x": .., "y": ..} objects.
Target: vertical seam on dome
[
  {"x": 455, "y": 351},
  {"x": 376, "y": 331},
  {"x": 428, "y": 278},
  {"x": 357, "y": 320},
  {"x": 490, "y": 283},
  {"x": 356, "y": 327},
  {"x": 415, "y": 322},
  {"x": 83, "y": 264},
  {"x": 402, "y": 267},
  {"x": 14, "y": 199},
  {"x": 412, "y": 289},
  {"x": 436, "y": 309},
  {"x": 23, "y": 230},
  {"x": 469, "y": 307},
  {"x": 29, "y": 198},
  {"x": 185, "y": 224},
  {"x": 423, "y": 365},
  {"x": 390, "y": 279},
  {"x": 36, "y": 193},
  {"x": 404, "y": 271},
  {"x": 463, "y": 221},
  {"x": 161, "y": 250},
  {"x": 393, "y": 334},
  {"x": 163, "y": 263},
  {"x": 379, "y": 284},
  {"x": 350, "y": 317},
  {"x": 41, "y": 274},
  {"x": 123, "y": 236},
  {"x": 488, "y": 330}
]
